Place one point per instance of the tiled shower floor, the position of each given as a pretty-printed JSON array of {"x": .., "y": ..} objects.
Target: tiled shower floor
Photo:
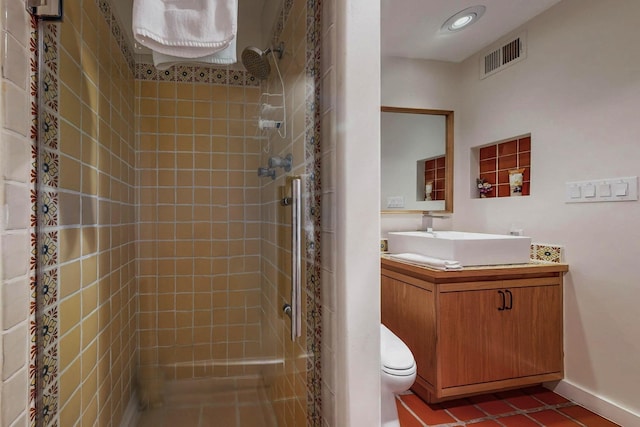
[
  {"x": 530, "y": 407},
  {"x": 228, "y": 403}
]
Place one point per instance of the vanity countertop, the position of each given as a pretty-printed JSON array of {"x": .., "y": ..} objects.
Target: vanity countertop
[{"x": 490, "y": 272}]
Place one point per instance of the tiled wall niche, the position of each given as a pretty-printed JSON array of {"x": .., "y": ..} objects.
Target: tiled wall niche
[
  {"x": 434, "y": 172},
  {"x": 494, "y": 161}
]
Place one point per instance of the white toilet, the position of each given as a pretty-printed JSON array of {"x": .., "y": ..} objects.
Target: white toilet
[{"x": 397, "y": 374}]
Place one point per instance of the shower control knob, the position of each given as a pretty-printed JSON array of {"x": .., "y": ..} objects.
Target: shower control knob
[
  {"x": 286, "y": 309},
  {"x": 286, "y": 201}
]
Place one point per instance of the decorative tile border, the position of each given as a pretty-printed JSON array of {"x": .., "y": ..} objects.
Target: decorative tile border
[
  {"x": 116, "y": 30},
  {"x": 46, "y": 208},
  {"x": 179, "y": 73},
  {"x": 33, "y": 282},
  {"x": 196, "y": 74},
  {"x": 313, "y": 211},
  {"x": 539, "y": 251},
  {"x": 546, "y": 252}
]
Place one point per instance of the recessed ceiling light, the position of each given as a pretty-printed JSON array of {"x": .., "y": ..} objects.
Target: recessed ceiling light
[{"x": 463, "y": 19}]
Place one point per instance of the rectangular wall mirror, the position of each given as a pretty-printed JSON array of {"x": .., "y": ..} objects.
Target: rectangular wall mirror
[{"x": 416, "y": 160}]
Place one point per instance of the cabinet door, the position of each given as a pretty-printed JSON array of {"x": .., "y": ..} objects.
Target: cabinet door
[
  {"x": 537, "y": 318},
  {"x": 409, "y": 312},
  {"x": 479, "y": 343}
]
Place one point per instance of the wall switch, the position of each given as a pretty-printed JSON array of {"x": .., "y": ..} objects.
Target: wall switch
[
  {"x": 589, "y": 190},
  {"x": 620, "y": 188},
  {"x": 575, "y": 192},
  {"x": 602, "y": 190},
  {"x": 395, "y": 202}
]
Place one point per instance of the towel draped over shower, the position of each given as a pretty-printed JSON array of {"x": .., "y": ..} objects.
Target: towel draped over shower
[{"x": 187, "y": 30}]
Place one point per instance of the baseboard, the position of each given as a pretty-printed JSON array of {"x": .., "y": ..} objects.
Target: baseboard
[
  {"x": 131, "y": 414},
  {"x": 595, "y": 403}
]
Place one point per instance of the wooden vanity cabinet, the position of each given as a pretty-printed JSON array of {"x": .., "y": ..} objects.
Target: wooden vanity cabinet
[{"x": 479, "y": 329}]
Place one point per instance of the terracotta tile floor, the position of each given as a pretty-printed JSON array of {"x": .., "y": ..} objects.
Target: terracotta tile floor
[{"x": 529, "y": 407}]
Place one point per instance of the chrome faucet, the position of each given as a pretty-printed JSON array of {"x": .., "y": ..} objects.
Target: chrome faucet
[{"x": 427, "y": 221}]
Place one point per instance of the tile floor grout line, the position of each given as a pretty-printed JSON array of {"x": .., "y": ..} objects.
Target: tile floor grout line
[
  {"x": 533, "y": 419},
  {"x": 572, "y": 419},
  {"x": 411, "y": 411}
]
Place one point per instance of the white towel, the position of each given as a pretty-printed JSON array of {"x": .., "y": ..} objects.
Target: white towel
[
  {"x": 185, "y": 28},
  {"x": 225, "y": 56},
  {"x": 435, "y": 263}
]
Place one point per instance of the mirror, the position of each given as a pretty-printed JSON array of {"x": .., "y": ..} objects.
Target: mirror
[{"x": 416, "y": 160}]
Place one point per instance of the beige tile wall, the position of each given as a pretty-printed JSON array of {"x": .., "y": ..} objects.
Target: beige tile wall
[
  {"x": 95, "y": 224},
  {"x": 290, "y": 380},
  {"x": 198, "y": 228},
  {"x": 15, "y": 226},
  {"x": 94, "y": 259}
]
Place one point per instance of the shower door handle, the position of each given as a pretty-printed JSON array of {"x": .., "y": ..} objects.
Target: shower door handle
[{"x": 296, "y": 258}]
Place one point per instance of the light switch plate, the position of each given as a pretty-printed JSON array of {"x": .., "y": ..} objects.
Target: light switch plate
[
  {"x": 602, "y": 190},
  {"x": 395, "y": 202}
]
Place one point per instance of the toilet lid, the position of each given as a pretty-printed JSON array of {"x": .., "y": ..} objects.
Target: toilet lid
[{"x": 394, "y": 354}]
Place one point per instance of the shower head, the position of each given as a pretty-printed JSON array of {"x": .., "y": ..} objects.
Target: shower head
[{"x": 256, "y": 61}]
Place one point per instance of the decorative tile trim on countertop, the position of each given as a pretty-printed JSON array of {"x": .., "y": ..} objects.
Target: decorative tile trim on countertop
[
  {"x": 547, "y": 252},
  {"x": 539, "y": 251}
]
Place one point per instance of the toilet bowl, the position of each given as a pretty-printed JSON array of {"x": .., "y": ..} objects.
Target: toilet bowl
[{"x": 397, "y": 374}]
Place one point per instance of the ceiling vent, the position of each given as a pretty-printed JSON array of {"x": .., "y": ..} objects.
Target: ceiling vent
[{"x": 502, "y": 55}]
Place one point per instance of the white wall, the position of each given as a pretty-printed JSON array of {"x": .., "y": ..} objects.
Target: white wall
[
  {"x": 357, "y": 139},
  {"x": 578, "y": 93}
]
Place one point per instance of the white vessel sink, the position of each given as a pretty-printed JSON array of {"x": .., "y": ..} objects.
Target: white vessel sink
[{"x": 466, "y": 248}]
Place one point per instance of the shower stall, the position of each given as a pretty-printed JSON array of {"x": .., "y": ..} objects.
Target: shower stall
[{"x": 165, "y": 258}]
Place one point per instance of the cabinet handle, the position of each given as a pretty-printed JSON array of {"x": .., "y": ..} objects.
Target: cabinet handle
[
  {"x": 503, "y": 300},
  {"x": 510, "y": 306}
]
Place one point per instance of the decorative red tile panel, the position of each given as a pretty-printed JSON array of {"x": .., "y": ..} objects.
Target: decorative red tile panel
[
  {"x": 434, "y": 170},
  {"x": 496, "y": 160},
  {"x": 489, "y": 152},
  {"x": 524, "y": 144},
  {"x": 506, "y": 148},
  {"x": 508, "y": 162}
]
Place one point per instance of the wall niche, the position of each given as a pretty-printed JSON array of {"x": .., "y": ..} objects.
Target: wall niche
[{"x": 502, "y": 168}]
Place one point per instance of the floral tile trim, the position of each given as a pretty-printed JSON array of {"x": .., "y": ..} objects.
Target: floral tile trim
[
  {"x": 117, "y": 33},
  {"x": 196, "y": 74},
  {"x": 546, "y": 252},
  {"x": 33, "y": 294},
  {"x": 44, "y": 364},
  {"x": 312, "y": 138}
]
